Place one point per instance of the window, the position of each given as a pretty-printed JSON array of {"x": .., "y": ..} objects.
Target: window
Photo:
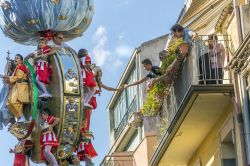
[
  {"x": 124, "y": 102},
  {"x": 131, "y": 91},
  {"x": 120, "y": 109},
  {"x": 228, "y": 147},
  {"x": 228, "y": 150}
]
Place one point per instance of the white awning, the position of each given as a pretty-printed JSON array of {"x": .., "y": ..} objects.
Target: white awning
[{"x": 202, "y": 15}]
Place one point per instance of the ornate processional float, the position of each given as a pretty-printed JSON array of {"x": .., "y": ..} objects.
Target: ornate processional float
[{"x": 28, "y": 22}]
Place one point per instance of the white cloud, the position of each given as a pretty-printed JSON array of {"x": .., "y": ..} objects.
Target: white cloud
[
  {"x": 101, "y": 33},
  {"x": 105, "y": 57},
  {"x": 123, "y": 51},
  {"x": 101, "y": 55},
  {"x": 100, "y": 52},
  {"x": 117, "y": 63},
  {"x": 121, "y": 36}
]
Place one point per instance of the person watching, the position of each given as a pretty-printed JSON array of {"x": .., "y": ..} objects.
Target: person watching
[{"x": 153, "y": 72}]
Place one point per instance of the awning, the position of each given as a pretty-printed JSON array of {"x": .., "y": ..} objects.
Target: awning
[{"x": 202, "y": 15}]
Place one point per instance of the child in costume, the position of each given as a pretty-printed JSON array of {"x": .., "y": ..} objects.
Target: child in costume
[
  {"x": 87, "y": 75},
  {"x": 85, "y": 150},
  {"x": 21, "y": 152},
  {"x": 48, "y": 140},
  {"x": 43, "y": 68}
]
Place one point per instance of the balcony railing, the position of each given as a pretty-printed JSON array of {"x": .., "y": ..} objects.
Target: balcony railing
[
  {"x": 118, "y": 161},
  {"x": 132, "y": 107},
  {"x": 204, "y": 66}
]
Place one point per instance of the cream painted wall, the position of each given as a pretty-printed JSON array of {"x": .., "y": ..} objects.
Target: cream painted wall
[
  {"x": 209, "y": 151},
  {"x": 144, "y": 151},
  {"x": 241, "y": 2},
  {"x": 245, "y": 17},
  {"x": 231, "y": 30}
]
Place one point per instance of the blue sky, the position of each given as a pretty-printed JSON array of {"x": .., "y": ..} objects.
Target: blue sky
[{"x": 118, "y": 26}]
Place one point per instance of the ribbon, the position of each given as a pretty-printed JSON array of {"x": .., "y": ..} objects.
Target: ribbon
[{"x": 35, "y": 89}]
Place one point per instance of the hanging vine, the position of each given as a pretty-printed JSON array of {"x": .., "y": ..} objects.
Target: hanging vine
[{"x": 159, "y": 90}]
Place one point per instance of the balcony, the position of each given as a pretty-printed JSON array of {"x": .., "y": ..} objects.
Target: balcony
[
  {"x": 132, "y": 108},
  {"x": 119, "y": 159},
  {"x": 197, "y": 98}
]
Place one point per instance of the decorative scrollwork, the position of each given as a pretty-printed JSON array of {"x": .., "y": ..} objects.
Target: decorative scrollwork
[
  {"x": 62, "y": 17},
  {"x": 55, "y": 1},
  {"x": 7, "y": 26},
  {"x": 33, "y": 21}
]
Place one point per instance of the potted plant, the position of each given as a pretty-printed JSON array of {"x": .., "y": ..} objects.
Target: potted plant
[
  {"x": 175, "y": 49},
  {"x": 149, "y": 124},
  {"x": 135, "y": 119}
]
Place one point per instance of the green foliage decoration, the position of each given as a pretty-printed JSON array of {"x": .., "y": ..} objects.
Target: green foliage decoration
[
  {"x": 172, "y": 53},
  {"x": 154, "y": 99},
  {"x": 159, "y": 90}
]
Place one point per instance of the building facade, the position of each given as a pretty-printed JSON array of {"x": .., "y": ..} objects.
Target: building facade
[
  {"x": 204, "y": 118},
  {"x": 208, "y": 122},
  {"x": 132, "y": 144}
]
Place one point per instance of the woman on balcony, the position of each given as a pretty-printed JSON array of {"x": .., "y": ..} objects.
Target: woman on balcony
[{"x": 216, "y": 55}]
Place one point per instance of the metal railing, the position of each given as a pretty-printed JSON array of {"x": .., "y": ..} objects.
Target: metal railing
[
  {"x": 204, "y": 66},
  {"x": 212, "y": 54},
  {"x": 132, "y": 107}
]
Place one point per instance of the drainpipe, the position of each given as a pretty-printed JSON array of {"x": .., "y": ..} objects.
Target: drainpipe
[
  {"x": 245, "y": 105},
  {"x": 246, "y": 117},
  {"x": 236, "y": 88},
  {"x": 236, "y": 102}
]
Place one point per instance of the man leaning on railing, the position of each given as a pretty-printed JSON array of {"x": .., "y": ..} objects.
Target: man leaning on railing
[
  {"x": 178, "y": 32},
  {"x": 153, "y": 72}
]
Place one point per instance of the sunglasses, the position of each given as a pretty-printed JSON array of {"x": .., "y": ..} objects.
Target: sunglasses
[
  {"x": 177, "y": 30},
  {"x": 60, "y": 38}
]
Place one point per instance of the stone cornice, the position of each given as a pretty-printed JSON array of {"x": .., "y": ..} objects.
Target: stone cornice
[
  {"x": 246, "y": 68},
  {"x": 222, "y": 17},
  {"x": 240, "y": 61},
  {"x": 246, "y": 74}
]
